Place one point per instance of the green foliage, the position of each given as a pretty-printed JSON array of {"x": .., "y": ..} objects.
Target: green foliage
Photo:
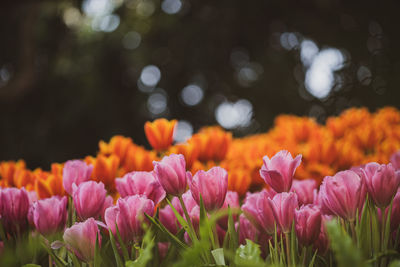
[
  {"x": 345, "y": 251},
  {"x": 248, "y": 255},
  {"x": 145, "y": 252}
]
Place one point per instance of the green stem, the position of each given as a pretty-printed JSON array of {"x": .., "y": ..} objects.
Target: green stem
[
  {"x": 288, "y": 249},
  {"x": 192, "y": 231}
]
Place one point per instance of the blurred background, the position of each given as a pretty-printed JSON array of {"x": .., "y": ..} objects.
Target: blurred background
[{"x": 76, "y": 72}]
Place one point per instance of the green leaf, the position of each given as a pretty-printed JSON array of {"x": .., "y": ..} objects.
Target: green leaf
[
  {"x": 174, "y": 240},
  {"x": 204, "y": 221},
  {"x": 121, "y": 243},
  {"x": 345, "y": 251},
  {"x": 115, "y": 250},
  {"x": 249, "y": 254},
  {"x": 182, "y": 221},
  {"x": 97, "y": 252},
  {"x": 145, "y": 254},
  {"x": 31, "y": 265},
  {"x": 218, "y": 255}
]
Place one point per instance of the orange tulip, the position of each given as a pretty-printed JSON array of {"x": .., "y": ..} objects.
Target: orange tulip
[
  {"x": 7, "y": 171},
  {"x": 104, "y": 169},
  {"x": 159, "y": 133}
]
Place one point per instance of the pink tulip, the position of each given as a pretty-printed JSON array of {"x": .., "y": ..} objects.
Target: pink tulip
[
  {"x": 395, "y": 216},
  {"x": 304, "y": 190},
  {"x": 382, "y": 182},
  {"x": 140, "y": 183},
  {"x": 247, "y": 230},
  {"x": 128, "y": 215},
  {"x": 89, "y": 198},
  {"x": 231, "y": 200},
  {"x": 395, "y": 160},
  {"x": 283, "y": 206},
  {"x": 257, "y": 209},
  {"x": 108, "y": 202},
  {"x": 14, "y": 206},
  {"x": 32, "y": 195},
  {"x": 49, "y": 215},
  {"x": 211, "y": 185},
  {"x": 308, "y": 224},
  {"x": 278, "y": 171},
  {"x": 168, "y": 219},
  {"x": 75, "y": 172},
  {"x": 322, "y": 242},
  {"x": 171, "y": 173},
  {"x": 343, "y": 194},
  {"x": 81, "y": 239}
]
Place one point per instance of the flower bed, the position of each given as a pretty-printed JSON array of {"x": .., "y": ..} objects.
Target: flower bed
[{"x": 302, "y": 194}]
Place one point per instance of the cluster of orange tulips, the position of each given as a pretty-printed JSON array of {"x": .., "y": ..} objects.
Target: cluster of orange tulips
[{"x": 351, "y": 139}]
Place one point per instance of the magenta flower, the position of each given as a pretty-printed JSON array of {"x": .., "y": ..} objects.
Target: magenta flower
[
  {"x": 128, "y": 215},
  {"x": 49, "y": 215},
  {"x": 168, "y": 219},
  {"x": 140, "y": 183},
  {"x": 395, "y": 216},
  {"x": 231, "y": 200},
  {"x": 343, "y": 194},
  {"x": 308, "y": 224},
  {"x": 304, "y": 190},
  {"x": 211, "y": 185},
  {"x": 171, "y": 173},
  {"x": 247, "y": 230},
  {"x": 89, "y": 198},
  {"x": 395, "y": 160},
  {"x": 81, "y": 239},
  {"x": 75, "y": 172},
  {"x": 322, "y": 242},
  {"x": 278, "y": 171},
  {"x": 257, "y": 209},
  {"x": 14, "y": 206},
  {"x": 283, "y": 206},
  {"x": 382, "y": 182}
]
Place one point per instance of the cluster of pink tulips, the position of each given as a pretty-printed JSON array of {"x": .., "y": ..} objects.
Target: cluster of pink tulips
[{"x": 287, "y": 219}]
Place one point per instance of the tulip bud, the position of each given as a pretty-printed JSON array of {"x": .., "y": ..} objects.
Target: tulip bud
[
  {"x": 75, "y": 171},
  {"x": 283, "y": 206},
  {"x": 278, "y": 171},
  {"x": 247, "y": 230},
  {"x": 308, "y": 224},
  {"x": 140, "y": 183},
  {"x": 14, "y": 206},
  {"x": 81, "y": 239},
  {"x": 231, "y": 201},
  {"x": 171, "y": 173},
  {"x": 89, "y": 198},
  {"x": 257, "y": 209},
  {"x": 395, "y": 217},
  {"x": 128, "y": 215},
  {"x": 382, "y": 182},
  {"x": 211, "y": 185},
  {"x": 160, "y": 133},
  {"x": 395, "y": 160},
  {"x": 304, "y": 190},
  {"x": 342, "y": 194},
  {"x": 49, "y": 215}
]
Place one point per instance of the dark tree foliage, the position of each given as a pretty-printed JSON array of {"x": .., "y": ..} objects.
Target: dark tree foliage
[{"x": 65, "y": 86}]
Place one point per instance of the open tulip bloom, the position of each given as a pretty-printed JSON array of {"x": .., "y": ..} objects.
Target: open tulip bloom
[{"x": 173, "y": 214}]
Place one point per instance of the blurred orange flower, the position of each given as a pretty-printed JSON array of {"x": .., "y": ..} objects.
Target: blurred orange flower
[{"x": 159, "y": 133}]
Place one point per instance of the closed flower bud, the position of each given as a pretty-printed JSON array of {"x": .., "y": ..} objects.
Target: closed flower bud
[
  {"x": 14, "y": 206},
  {"x": 75, "y": 171},
  {"x": 382, "y": 182},
  {"x": 49, "y": 215},
  {"x": 211, "y": 185},
  {"x": 308, "y": 224},
  {"x": 89, "y": 198},
  {"x": 81, "y": 239},
  {"x": 171, "y": 173},
  {"x": 283, "y": 206}
]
